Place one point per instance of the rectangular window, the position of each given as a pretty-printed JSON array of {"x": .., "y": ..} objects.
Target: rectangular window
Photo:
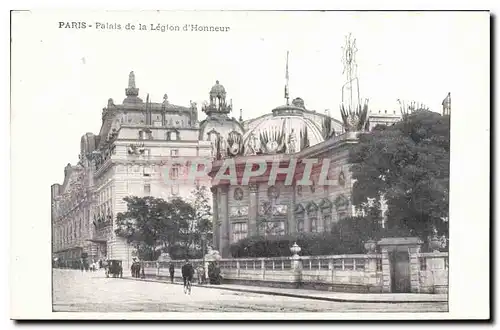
[
  {"x": 147, "y": 189},
  {"x": 174, "y": 153},
  {"x": 146, "y": 171},
  {"x": 240, "y": 231},
  {"x": 141, "y": 135}
]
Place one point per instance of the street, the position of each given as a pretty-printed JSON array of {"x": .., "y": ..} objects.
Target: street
[{"x": 76, "y": 291}]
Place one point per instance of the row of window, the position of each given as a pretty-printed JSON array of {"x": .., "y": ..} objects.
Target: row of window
[
  {"x": 174, "y": 189},
  {"x": 277, "y": 228},
  {"x": 169, "y": 136},
  {"x": 157, "y": 120},
  {"x": 69, "y": 232}
]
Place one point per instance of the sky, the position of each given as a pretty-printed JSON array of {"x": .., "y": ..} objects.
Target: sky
[{"x": 62, "y": 78}]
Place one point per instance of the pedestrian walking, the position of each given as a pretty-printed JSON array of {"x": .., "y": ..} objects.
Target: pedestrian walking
[{"x": 171, "y": 269}]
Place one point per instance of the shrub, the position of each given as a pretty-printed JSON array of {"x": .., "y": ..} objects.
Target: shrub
[{"x": 347, "y": 237}]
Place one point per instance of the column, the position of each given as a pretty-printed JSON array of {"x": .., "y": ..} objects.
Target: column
[
  {"x": 292, "y": 223},
  {"x": 215, "y": 219},
  {"x": 253, "y": 209},
  {"x": 224, "y": 223}
]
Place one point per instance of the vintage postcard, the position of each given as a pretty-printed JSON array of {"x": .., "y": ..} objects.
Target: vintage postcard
[{"x": 250, "y": 165}]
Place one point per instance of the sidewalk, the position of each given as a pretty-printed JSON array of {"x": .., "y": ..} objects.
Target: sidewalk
[{"x": 394, "y": 298}]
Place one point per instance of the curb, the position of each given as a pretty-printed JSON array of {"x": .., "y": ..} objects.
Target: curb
[{"x": 294, "y": 295}]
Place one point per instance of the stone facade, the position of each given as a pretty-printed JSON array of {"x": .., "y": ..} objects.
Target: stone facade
[
  {"x": 266, "y": 208},
  {"x": 126, "y": 158}
]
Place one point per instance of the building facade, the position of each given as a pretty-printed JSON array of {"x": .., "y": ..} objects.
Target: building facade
[
  {"x": 126, "y": 158},
  {"x": 284, "y": 194}
]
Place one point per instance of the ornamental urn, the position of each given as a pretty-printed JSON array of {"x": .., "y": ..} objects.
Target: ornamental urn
[
  {"x": 370, "y": 246},
  {"x": 295, "y": 249},
  {"x": 435, "y": 243}
]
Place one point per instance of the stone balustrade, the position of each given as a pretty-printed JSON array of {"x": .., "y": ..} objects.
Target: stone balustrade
[
  {"x": 357, "y": 273},
  {"x": 372, "y": 272}
]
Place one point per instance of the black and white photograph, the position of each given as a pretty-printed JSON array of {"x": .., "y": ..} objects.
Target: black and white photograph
[{"x": 249, "y": 164}]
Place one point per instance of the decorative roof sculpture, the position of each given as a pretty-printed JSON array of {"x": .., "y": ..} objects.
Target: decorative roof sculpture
[
  {"x": 131, "y": 91},
  {"x": 354, "y": 113},
  {"x": 217, "y": 104}
]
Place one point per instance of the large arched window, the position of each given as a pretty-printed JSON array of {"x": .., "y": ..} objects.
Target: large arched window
[
  {"x": 299, "y": 217},
  {"x": 312, "y": 215},
  {"x": 326, "y": 213},
  {"x": 342, "y": 205}
]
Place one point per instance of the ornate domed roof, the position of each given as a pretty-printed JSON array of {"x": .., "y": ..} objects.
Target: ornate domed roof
[
  {"x": 286, "y": 130},
  {"x": 217, "y": 89}
]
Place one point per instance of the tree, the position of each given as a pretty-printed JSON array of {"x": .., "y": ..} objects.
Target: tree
[
  {"x": 407, "y": 165},
  {"x": 153, "y": 224},
  {"x": 203, "y": 216}
]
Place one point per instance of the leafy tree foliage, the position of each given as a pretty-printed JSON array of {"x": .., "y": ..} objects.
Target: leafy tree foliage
[
  {"x": 153, "y": 224},
  {"x": 203, "y": 215},
  {"x": 407, "y": 166}
]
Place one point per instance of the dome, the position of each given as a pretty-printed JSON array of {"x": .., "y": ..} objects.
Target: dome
[
  {"x": 285, "y": 130},
  {"x": 217, "y": 89}
]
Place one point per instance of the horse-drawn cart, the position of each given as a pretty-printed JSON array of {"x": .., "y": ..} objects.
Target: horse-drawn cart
[{"x": 114, "y": 268}]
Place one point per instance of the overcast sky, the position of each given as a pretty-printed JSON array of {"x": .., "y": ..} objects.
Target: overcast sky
[{"x": 62, "y": 78}]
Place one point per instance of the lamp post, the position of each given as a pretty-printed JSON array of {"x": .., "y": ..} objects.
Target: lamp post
[
  {"x": 296, "y": 264},
  {"x": 203, "y": 238}
]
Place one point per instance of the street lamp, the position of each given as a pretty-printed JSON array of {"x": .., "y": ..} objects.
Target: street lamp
[{"x": 203, "y": 238}]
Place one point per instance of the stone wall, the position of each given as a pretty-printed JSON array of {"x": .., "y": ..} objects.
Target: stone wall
[{"x": 433, "y": 272}]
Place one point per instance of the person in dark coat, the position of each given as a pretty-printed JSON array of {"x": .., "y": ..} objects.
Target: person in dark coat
[{"x": 171, "y": 269}]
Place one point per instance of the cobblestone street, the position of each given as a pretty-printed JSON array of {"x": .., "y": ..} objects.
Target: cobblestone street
[{"x": 75, "y": 291}]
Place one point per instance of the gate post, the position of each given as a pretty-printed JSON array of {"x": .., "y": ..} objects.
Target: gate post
[{"x": 410, "y": 245}]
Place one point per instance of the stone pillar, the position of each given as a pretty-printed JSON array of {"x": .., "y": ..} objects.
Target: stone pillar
[
  {"x": 224, "y": 223},
  {"x": 215, "y": 219},
  {"x": 371, "y": 273},
  {"x": 371, "y": 267},
  {"x": 296, "y": 265},
  {"x": 253, "y": 209},
  {"x": 414, "y": 253},
  {"x": 386, "y": 271}
]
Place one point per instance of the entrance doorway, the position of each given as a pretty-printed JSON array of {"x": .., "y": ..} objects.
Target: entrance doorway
[{"x": 400, "y": 272}]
